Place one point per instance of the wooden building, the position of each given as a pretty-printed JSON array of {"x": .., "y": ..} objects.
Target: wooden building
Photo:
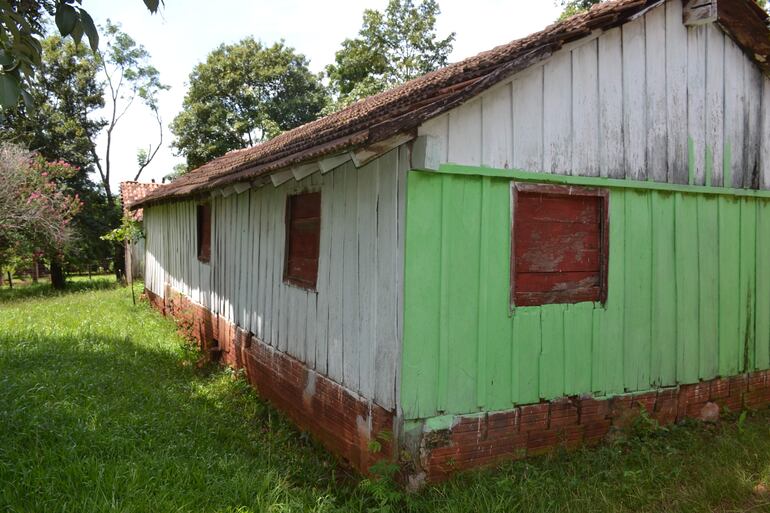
[
  {"x": 505, "y": 255},
  {"x": 130, "y": 193}
]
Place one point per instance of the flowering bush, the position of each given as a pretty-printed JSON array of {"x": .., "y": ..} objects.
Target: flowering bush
[{"x": 35, "y": 208}]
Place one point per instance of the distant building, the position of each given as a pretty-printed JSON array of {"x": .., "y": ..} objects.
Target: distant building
[{"x": 130, "y": 193}]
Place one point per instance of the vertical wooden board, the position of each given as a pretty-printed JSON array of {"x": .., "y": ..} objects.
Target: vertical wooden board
[
  {"x": 336, "y": 271},
  {"x": 687, "y": 291},
  {"x": 676, "y": 89},
  {"x": 729, "y": 285},
  {"x": 585, "y": 110},
  {"x": 715, "y": 92},
  {"x": 696, "y": 103},
  {"x": 404, "y": 165},
  {"x": 557, "y": 114},
  {"x": 708, "y": 267},
  {"x": 465, "y": 134},
  {"x": 735, "y": 114},
  {"x": 264, "y": 254},
  {"x": 764, "y": 149},
  {"x": 578, "y": 342},
  {"x": 528, "y": 120},
  {"x": 437, "y": 132},
  {"x": 634, "y": 96},
  {"x": 656, "y": 121},
  {"x": 526, "y": 351},
  {"x": 253, "y": 262},
  {"x": 483, "y": 303},
  {"x": 268, "y": 212},
  {"x": 309, "y": 336},
  {"x": 551, "y": 351},
  {"x": 422, "y": 282},
  {"x": 499, "y": 326},
  {"x": 762, "y": 352},
  {"x": 350, "y": 297},
  {"x": 663, "y": 361},
  {"x": 753, "y": 116},
  {"x": 497, "y": 127},
  {"x": 368, "y": 177},
  {"x": 461, "y": 281},
  {"x": 611, "y": 156},
  {"x": 637, "y": 314},
  {"x": 280, "y": 306},
  {"x": 385, "y": 316},
  {"x": 747, "y": 283},
  {"x": 607, "y": 373},
  {"x": 324, "y": 268},
  {"x": 245, "y": 273}
]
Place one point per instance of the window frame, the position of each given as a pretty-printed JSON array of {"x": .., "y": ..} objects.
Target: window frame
[
  {"x": 287, "y": 277},
  {"x": 203, "y": 217},
  {"x": 563, "y": 190}
]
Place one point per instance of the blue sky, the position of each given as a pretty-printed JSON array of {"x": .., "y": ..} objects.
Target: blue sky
[{"x": 184, "y": 32}]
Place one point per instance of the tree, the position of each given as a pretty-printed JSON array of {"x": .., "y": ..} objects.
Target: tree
[
  {"x": 22, "y": 24},
  {"x": 572, "y": 7},
  {"x": 243, "y": 94},
  {"x": 62, "y": 126},
  {"x": 36, "y": 208},
  {"x": 129, "y": 76},
  {"x": 391, "y": 48}
]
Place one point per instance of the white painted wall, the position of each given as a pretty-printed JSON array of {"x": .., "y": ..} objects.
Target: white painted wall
[
  {"x": 642, "y": 101},
  {"x": 350, "y": 328}
]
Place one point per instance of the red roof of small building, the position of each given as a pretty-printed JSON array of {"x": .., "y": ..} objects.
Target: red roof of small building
[
  {"x": 404, "y": 108},
  {"x": 131, "y": 192}
]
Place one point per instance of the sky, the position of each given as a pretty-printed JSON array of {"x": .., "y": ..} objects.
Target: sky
[{"x": 183, "y": 33}]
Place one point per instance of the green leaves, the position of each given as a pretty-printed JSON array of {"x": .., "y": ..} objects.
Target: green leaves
[
  {"x": 243, "y": 94},
  {"x": 76, "y": 22},
  {"x": 152, "y": 5},
  {"x": 392, "y": 47},
  {"x": 66, "y": 19},
  {"x": 10, "y": 89}
]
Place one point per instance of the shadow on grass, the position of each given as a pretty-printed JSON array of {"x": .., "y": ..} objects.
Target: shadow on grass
[
  {"x": 44, "y": 289},
  {"x": 92, "y": 423}
]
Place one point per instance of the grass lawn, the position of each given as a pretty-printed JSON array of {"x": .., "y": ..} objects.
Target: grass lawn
[{"x": 102, "y": 408}]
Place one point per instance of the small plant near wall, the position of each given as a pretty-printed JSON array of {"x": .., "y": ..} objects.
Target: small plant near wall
[{"x": 130, "y": 230}]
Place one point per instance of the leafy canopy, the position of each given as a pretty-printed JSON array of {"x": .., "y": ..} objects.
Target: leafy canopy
[
  {"x": 22, "y": 25},
  {"x": 392, "y": 47},
  {"x": 243, "y": 94}
]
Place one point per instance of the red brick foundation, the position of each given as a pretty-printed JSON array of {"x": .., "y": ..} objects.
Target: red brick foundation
[
  {"x": 486, "y": 439},
  {"x": 341, "y": 420}
]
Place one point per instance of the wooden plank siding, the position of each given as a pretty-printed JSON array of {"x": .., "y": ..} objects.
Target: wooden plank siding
[
  {"x": 687, "y": 298},
  {"x": 650, "y": 100},
  {"x": 349, "y": 329}
]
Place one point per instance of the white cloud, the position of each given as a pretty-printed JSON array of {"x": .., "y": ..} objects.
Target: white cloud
[{"x": 185, "y": 32}]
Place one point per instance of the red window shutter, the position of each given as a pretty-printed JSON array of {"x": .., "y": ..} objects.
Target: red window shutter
[
  {"x": 204, "y": 232},
  {"x": 559, "y": 244},
  {"x": 303, "y": 237}
]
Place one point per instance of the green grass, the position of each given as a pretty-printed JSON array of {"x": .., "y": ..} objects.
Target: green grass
[{"x": 102, "y": 409}]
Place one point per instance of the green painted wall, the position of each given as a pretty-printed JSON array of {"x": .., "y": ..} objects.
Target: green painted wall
[{"x": 687, "y": 299}]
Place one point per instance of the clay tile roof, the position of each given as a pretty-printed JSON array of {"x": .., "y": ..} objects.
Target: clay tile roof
[
  {"x": 403, "y": 108},
  {"x": 131, "y": 192}
]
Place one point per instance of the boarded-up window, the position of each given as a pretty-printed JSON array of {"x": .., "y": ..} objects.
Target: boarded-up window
[
  {"x": 303, "y": 236},
  {"x": 204, "y": 232},
  {"x": 559, "y": 245}
]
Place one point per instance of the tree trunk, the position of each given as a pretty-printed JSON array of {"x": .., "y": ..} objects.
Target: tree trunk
[
  {"x": 35, "y": 270},
  {"x": 58, "y": 280},
  {"x": 10, "y": 279},
  {"x": 120, "y": 263}
]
